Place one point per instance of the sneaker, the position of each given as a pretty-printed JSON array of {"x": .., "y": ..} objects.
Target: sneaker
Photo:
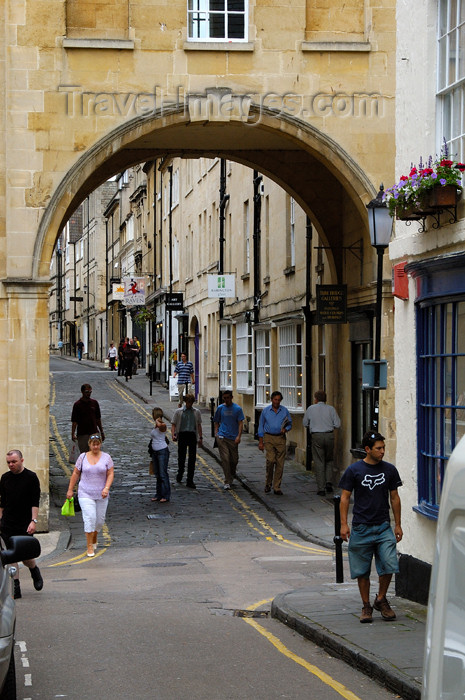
[
  {"x": 382, "y": 605},
  {"x": 226, "y": 487},
  {"x": 267, "y": 489},
  {"x": 367, "y": 613},
  {"x": 17, "y": 590},
  {"x": 37, "y": 578}
]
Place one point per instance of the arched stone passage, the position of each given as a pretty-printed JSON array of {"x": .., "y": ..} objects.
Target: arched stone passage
[
  {"x": 319, "y": 174},
  {"x": 331, "y": 187}
]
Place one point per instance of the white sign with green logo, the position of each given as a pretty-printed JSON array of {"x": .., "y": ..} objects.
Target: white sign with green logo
[{"x": 221, "y": 286}]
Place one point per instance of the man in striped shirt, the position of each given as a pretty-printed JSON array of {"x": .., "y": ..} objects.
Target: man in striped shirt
[{"x": 184, "y": 371}]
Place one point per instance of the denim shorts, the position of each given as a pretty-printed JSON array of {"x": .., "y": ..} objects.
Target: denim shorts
[{"x": 368, "y": 540}]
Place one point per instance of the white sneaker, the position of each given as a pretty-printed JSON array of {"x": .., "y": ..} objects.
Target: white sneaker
[{"x": 226, "y": 487}]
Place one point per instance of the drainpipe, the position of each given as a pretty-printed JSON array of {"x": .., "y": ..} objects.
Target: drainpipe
[{"x": 308, "y": 336}]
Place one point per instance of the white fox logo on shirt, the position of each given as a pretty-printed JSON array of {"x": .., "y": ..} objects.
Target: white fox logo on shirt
[{"x": 372, "y": 480}]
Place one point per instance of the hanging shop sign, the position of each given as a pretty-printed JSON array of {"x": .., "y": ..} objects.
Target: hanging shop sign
[
  {"x": 174, "y": 301},
  {"x": 117, "y": 291},
  {"x": 331, "y": 303},
  {"x": 134, "y": 291},
  {"x": 221, "y": 286}
]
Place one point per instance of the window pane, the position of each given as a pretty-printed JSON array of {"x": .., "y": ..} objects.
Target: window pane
[
  {"x": 217, "y": 5},
  {"x": 461, "y": 327},
  {"x": 235, "y": 26},
  {"x": 217, "y": 26},
  {"x": 452, "y": 13},
  {"x": 452, "y": 57},
  {"x": 237, "y": 5},
  {"x": 442, "y": 17}
]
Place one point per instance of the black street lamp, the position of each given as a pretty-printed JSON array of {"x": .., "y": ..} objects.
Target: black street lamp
[{"x": 380, "y": 223}]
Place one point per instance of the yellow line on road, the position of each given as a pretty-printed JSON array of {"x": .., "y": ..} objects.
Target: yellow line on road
[
  {"x": 124, "y": 395},
  {"x": 314, "y": 670},
  {"x": 83, "y": 558},
  {"x": 261, "y": 522},
  {"x": 278, "y": 644}
]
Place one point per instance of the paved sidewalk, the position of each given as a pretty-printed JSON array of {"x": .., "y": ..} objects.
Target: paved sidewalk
[{"x": 325, "y": 612}]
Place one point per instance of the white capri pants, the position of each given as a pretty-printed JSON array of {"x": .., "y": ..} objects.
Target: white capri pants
[{"x": 93, "y": 513}]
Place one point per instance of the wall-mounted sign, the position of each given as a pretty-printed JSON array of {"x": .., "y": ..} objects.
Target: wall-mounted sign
[
  {"x": 118, "y": 291},
  {"x": 174, "y": 301},
  {"x": 134, "y": 291},
  {"x": 221, "y": 286},
  {"x": 331, "y": 303}
]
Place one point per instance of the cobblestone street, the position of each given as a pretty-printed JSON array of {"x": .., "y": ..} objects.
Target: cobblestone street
[{"x": 192, "y": 516}]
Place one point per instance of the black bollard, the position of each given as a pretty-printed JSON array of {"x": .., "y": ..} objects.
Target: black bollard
[
  {"x": 338, "y": 540},
  {"x": 212, "y": 415}
]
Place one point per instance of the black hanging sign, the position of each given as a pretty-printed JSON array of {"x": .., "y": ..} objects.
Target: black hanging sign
[{"x": 331, "y": 303}]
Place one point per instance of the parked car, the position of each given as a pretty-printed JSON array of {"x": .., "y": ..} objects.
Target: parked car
[
  {"x": 21, "y": 548},
  {"x": 444, "y": 667}
]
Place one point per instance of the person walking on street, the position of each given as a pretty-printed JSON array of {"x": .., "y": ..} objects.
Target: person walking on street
[
  {"x": 86, "y": 418},
  {"x": 184, "y": 371},
  {"x": 275, "y": 422},
  {"x": 374, "y": 484},
  {"x": 228, "y": 421},
  {"x": 322, "y": 419},
  {"x": 95, "y": 471},
  {"x": 186, "y": 429},
  {"x": 80, "y": 349},
  {"x": 130, "y": 351},
  {"x": 160, "y": 455},
  {"x": 112, "y": 355},
  {"x": 121, "y": 358},
  {"x": 19, "y": 508},
  {"x": 135, "y": 364}
]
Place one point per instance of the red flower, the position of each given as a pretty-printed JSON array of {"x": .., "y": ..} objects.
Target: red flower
[
  {"x": 413, "y": 172},
  {"x": 446, "y": 163},
  {"x": 461, "y": 167},
  {"x": 427, "y": 171},
  {"x": 403, "y": 178}
]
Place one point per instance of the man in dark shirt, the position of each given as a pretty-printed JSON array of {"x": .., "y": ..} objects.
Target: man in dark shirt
[
  {"x": 374, "y": 484},
  {"x": 86, "y": 419},
  {"x": 19, "y": 507}
]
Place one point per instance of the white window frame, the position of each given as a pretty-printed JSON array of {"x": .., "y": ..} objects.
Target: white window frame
[
  {"x": 292, "y": 207},
  {"x": 203, "y": 14},
  {"x": 244, "y": 358},
  {"x": 226, "y": 356},
  {"x": 291, "y": 365},
  {"x": 263, "y": 367},
  {"x": 451, "y": 77}
]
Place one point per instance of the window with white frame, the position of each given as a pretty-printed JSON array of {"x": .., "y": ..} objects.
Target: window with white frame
[
  {"x": 217, "y": 20},
  {"x": 225, "y": 357},
  {"x": 290, "y": 365},
  {"x": 263, "y": 359},
  {"x": 244, "y": 357},
  {"x": 451, "y": 76}
]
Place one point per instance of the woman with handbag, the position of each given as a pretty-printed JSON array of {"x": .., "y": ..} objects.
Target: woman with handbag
[
  {"x": 94, "y": 470},
  {"x": 160, "y": 454}
]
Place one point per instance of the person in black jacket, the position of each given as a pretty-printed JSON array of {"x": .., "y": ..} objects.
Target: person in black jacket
[{"x": 19, "y": 507}]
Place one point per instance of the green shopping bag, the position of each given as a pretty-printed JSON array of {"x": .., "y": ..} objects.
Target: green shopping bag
[{"x": 68, "y": 507}]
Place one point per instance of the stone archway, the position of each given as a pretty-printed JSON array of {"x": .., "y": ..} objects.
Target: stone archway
[{"x": 320, "y": 175}]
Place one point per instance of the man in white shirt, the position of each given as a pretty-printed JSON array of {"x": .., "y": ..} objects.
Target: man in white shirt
[{"x": 322, "y": 419}]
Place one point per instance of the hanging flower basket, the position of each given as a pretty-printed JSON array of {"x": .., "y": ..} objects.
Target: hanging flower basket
[
  {"x": 143, "y": 316},
  {"x": 427, "y": 189}
]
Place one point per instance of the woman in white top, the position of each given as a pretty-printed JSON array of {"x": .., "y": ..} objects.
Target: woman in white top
[{"x": 94, "y": 470}]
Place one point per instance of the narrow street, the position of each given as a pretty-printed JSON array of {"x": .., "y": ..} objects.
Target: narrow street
[{"x": 175, "y": 604}]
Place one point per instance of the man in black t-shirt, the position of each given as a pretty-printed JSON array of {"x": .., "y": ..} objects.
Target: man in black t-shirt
[
  {"x": 374, "y": 484},
  {"x": 86, "y": 419},
  {"x": 19, "y": 507}
]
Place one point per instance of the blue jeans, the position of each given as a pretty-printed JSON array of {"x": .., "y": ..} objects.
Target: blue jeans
[{"x": 160, "y": 459}]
